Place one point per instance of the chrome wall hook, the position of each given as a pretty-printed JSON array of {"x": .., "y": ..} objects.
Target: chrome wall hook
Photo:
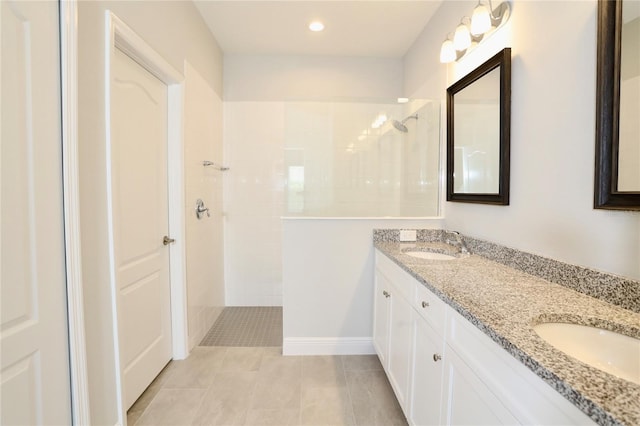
[{"x": 208, "y": 163}]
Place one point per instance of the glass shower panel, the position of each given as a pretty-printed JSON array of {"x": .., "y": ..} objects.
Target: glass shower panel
[{"x": 347, "y": 159}]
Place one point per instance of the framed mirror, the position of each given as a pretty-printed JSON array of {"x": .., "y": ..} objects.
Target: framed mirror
[
  {"x": 617, "y": 168},
  {"x": 478, "y": 133}
]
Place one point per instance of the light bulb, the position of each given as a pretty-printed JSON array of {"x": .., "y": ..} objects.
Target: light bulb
[
  {"x": 316, "y": 26},
  {"x": 447, "y": 52},
  {"x": 462, "y": 37},
  {"x": 480, "y": 20}
]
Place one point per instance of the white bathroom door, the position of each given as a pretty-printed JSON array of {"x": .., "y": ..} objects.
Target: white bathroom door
[
  {"x": 140, "y": 221},
  {"x": 34, "y": 358}
]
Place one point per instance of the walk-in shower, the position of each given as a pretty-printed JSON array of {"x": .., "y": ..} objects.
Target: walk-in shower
[{"x": 400, "y": 124}]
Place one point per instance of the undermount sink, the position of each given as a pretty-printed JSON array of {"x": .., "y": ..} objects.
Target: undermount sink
[
  {"x": 429, "y": 255},
  {"x": 606, "y": 350}
]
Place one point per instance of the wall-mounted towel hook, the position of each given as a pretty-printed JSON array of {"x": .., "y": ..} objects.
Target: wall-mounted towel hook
[{"x": 207, "y": 163}]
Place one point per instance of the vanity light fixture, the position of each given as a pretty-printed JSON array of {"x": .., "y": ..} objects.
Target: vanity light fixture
[
  {"x": 471, "y": 31},
  {"x": 462, "y": 36},
  {"x": 316, "y": 26},
  {"x": 480, "y": 20},
  {"x": 447, "y": 51}
]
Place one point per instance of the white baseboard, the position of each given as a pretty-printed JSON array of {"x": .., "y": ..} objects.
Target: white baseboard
[{"x": 328, "y": 346}]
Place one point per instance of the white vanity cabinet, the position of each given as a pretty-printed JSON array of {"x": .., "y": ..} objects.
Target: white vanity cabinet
[
  {"x": 393, "y": 333},
  {"x": 400, "y": 343},
  {"x": 444, "y": 370},
  {"x": 427, "y": 377},
  {"x": 526, "y": 396},
  {"x": 427, "y": 360},
  {"x": 467, "y": 400},
  {"x": 382, "y": 307},
  {"x": 445, "y": 390}
]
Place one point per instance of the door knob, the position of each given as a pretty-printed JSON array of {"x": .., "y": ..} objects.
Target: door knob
[
  {"x": 166, "y": 240},
  {"x": 436, "y": 357}
]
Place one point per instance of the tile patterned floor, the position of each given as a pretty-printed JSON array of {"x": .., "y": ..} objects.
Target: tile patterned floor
[
  {"x": 259, "y": 386},
  {"x": 246, "y": 326}
]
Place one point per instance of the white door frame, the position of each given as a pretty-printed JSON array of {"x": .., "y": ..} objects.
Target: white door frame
[
  {"x": 120, "y": 36},
  {"x": 80, "y": 414}
]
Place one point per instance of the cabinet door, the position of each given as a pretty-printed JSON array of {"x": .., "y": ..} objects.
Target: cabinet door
[
  {"x": 469, "y": 400},
  {"x": 426, "y": 388},
  {"x": 381, "y": 318},
  {"x": 400, "y": 346}
]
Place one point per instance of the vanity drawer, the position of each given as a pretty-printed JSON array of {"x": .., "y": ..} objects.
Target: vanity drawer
[
  {"x": 398, "y": 277},
  {"x": 430, "y": 307}
]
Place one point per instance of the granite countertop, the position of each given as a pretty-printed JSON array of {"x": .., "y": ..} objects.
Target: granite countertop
[{"x": 505, "y": 303}]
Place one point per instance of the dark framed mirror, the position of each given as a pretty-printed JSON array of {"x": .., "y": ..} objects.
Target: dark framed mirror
[
  {"x": 617, "y": 168},
  {"x": 478, "y": 133}
]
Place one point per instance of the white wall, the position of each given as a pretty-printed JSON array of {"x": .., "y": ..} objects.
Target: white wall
[
  {"x": 328, "y": 274},
  {"x": 177, "y": 32},
  {"x": 204, "y": 236},
  {"x": 552, "y": 135},
  {"x": 278, "y": 78}
]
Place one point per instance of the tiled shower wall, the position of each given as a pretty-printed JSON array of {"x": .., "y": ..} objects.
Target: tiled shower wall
[
  {"x": 204, "y": 238},
  {"x": 345, "y": 159},
  {"x": 254, "y": 188}
]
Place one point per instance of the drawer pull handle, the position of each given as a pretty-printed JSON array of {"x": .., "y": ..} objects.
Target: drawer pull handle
[
  {"x": 436, "y": 357},
  {"x": 425, "y": 304},
  {"x": 386, "y": 294}
]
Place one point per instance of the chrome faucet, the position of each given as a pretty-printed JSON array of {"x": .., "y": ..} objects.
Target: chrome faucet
[{"x": 458, "y": 241}]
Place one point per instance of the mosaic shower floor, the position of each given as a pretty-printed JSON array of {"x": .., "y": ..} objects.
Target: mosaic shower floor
[{"x": 246, "y": 326}]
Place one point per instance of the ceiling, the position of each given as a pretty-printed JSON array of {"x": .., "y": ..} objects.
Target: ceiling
[{"x": 384, "y": 29}]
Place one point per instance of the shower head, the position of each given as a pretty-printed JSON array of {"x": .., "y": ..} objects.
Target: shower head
[{"x": 399, "y": 125}]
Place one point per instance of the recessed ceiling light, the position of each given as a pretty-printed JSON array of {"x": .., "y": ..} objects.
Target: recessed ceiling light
[
  {"x": 316, "y": 26},
  {"x": 403, "y": 100}
]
